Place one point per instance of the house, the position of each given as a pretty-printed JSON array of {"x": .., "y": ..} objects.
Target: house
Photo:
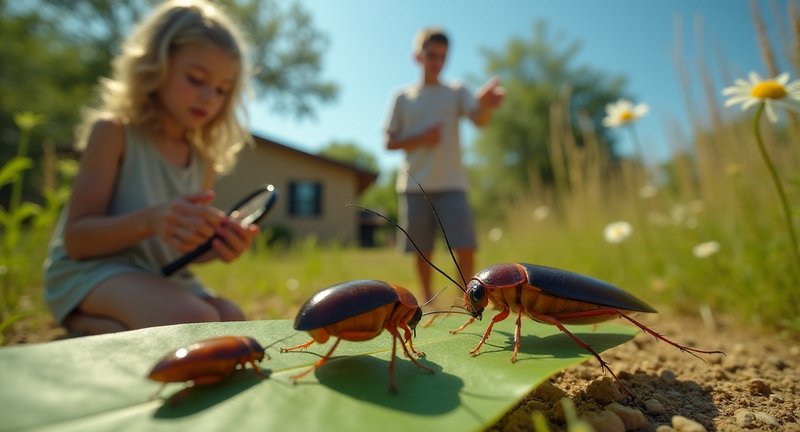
[{"x": 313, "y": 190}]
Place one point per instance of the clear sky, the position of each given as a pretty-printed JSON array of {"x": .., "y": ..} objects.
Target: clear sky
[{"x": 369, "y": 56}]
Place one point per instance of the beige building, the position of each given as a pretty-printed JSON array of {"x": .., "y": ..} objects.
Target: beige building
[{"x": 313, "y": 190}]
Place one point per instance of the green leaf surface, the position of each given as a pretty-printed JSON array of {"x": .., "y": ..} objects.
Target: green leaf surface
[{"x": 99, "y": 382}]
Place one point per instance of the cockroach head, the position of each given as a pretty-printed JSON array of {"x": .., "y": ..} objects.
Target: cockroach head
[
  {"x": 475, "y": 298},
  {"x": 412, "y": 323}
]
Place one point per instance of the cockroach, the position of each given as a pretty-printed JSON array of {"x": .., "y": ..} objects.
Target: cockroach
[
  {"x": 357, "y": 311},
  {"x": 208, "y": 361},
  {"x": 545, "y": 294}
]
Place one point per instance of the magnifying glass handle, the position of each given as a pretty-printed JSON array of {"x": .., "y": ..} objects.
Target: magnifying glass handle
[{"x": 176, "y": 265}]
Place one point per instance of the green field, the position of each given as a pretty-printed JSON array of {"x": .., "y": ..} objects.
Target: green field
[{"x": 720, "y": 192}]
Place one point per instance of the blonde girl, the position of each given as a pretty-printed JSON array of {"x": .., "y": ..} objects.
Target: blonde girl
[{"x": 168, "y": 122}]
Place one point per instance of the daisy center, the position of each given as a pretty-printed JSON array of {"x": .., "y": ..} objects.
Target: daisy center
[
  {"x": 626, "y": 116},
  {"x": 768, "y": 90}
]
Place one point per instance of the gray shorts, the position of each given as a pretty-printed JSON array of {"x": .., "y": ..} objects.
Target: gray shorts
[{"x": 417, "y": 218}]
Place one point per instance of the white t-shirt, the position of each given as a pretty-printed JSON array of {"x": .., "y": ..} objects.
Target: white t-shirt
[{"x": 416, "y": 108}]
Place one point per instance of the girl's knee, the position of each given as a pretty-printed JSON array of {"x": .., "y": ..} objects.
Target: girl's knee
[
  {"x": 227, "y": 310},
  {"x": 196, "y": 312}
]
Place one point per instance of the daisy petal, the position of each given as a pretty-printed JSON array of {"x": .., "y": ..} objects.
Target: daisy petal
[
  {"x": 771, "y": 115},
  {"x": 750, "y": 102}
]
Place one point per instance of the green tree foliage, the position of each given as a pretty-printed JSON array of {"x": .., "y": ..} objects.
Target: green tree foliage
[
  {"x": 350, "y": 153},
  {"x": 39, "y": 72},
  {"x": 537, "y": 74},
  {"x": 54, "y": 51}
]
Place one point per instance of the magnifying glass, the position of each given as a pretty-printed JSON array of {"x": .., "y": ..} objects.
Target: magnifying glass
[{"x": 251, "y": 209}]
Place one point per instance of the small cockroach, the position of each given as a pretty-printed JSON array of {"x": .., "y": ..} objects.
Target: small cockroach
[
  {"x": 208, "y": 361},
  {"x": 356, "y": 311}
]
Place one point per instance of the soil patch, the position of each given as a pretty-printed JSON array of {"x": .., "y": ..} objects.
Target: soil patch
[{"x": 755, "y": 386}]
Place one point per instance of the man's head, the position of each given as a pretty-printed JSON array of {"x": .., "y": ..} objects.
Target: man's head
[{"x": 430, "y": 51}]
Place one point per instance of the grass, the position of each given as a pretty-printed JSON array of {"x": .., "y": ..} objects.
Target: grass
[{"x": 718, "y": 194}]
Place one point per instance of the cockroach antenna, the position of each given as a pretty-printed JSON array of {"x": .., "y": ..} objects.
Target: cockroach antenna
[
  {"x": 433, "y": 298},
  {"x": 277, "y": 342},
  {"x": 463, "y": 285},
  {"x": 444, "y": 233},
  {"x": 412, "y": 243}
]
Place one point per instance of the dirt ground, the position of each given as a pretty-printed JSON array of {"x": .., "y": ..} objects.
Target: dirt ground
[{"x": 755, "y": 386}]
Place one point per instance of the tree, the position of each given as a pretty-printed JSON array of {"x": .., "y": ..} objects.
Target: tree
[
  {"x": 286, "y": 49},
  {"x": 537, "y": 74},
  {"x": 54, "y": 51},
  {"x": 351, "y": 153}
]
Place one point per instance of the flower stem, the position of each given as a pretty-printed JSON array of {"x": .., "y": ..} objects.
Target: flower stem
[{"x": 778, "y": 186}]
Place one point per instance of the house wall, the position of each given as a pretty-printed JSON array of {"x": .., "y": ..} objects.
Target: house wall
[{"x": 265, "y": 163}]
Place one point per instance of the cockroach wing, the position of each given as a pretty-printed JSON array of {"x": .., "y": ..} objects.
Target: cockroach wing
[
  {"x": 574, "y": 286},
  {"x": 341, "y": 301}
]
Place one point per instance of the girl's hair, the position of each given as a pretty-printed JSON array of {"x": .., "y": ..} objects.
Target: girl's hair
[{"x": 141, "y": 68}]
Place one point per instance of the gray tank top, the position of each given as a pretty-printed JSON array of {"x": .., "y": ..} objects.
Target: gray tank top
[{"x": 145, "y": 179}]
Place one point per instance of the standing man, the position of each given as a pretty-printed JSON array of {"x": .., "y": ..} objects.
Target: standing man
[{"x": 424, "y": 123}]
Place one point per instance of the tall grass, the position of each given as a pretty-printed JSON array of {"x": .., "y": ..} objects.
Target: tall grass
[
  {"x": 721, "y": 194},
  {"x": 25, "y": 228}
]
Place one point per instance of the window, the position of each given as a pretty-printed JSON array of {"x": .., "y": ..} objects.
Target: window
[{"x": 305, "y": 198}]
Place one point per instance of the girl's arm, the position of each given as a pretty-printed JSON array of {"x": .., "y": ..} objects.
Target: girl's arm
[{"x": 184, "y": 222}]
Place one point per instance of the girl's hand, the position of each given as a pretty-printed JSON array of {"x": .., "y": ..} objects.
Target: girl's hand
[
  {"x": 233, "y": 239},
  {"x": 188, "y": 221}
]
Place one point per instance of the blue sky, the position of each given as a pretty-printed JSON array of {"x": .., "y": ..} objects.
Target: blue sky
[{"x": 369, "y": 56}]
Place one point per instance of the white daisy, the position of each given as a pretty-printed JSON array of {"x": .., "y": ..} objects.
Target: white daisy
[
  {"x": 705, "y": 249},
  {"x": 622, "y": 112},
  {"x": 495, "y": 234},
  {"x": 617, "y": 232},
  {"x": 778, "y": 92},
  {"x": 541, "y": 213}
]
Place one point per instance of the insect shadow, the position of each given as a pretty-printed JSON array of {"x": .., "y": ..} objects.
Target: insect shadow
[
  {"x": 194, "y": 399},
  {"x": 676, "y": 393},
  {"x": 422, "y": 394},
  {"x": 555, "y": 345}
]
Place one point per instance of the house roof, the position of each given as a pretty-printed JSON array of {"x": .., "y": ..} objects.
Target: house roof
[{"x": 364, "y": 177}]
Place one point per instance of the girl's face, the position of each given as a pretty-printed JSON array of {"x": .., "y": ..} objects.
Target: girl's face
[{"x": 200, "y": 77}]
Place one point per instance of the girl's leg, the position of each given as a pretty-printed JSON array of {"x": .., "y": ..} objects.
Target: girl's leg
[
  {"x": 138, "y": 300},
  {"x": 84, "y": 324},
  {"x": 228, "y": 310}
]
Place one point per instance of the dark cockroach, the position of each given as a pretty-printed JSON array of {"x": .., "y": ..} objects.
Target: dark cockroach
[
  {"x": 360, "y": 310},
  {"x": 544, "y": 294},
  {"x": 208, "y": 361}
]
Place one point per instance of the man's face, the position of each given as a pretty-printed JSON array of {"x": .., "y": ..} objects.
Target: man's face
[{"x": 432, "y": 58}]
